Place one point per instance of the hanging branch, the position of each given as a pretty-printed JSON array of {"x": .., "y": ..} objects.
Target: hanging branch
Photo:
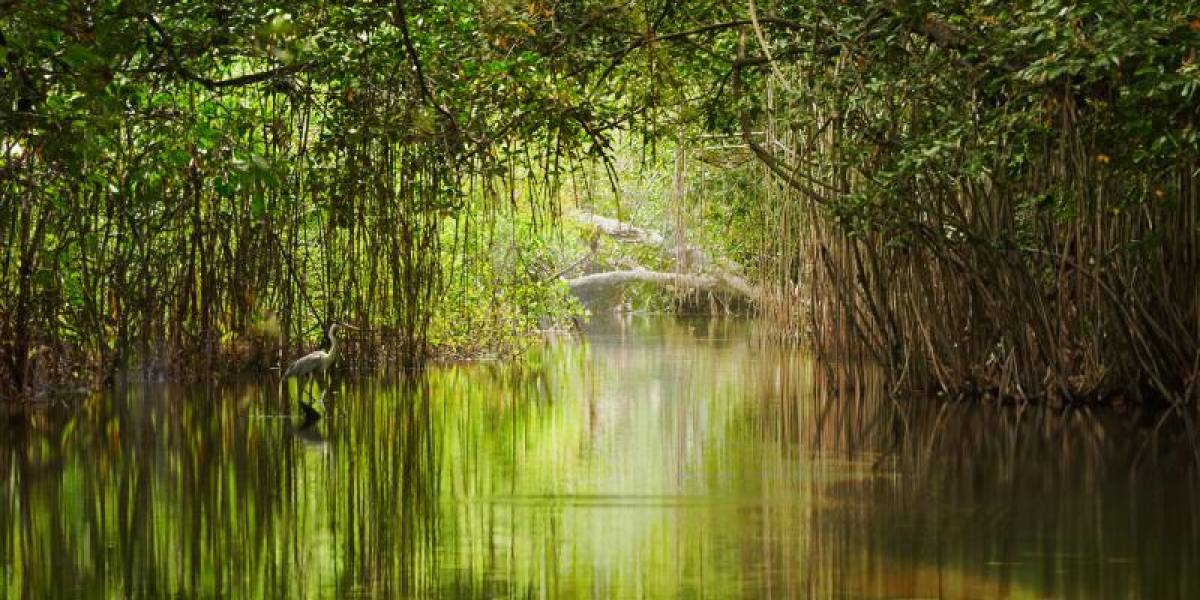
[
  {"x": 401, "y": 19},
  {"x": 773, "y": 164},
  {"x": 213, "y": 84}
]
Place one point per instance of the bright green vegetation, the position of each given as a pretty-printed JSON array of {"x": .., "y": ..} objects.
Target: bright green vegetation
[
  {"x": 988, "y": 198},
  {"x": 193, "y": 183},
  {"x": 660, "y": 460}
]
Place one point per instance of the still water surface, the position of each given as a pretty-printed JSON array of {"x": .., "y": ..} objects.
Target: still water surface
[{"x": 658, "y": 458}]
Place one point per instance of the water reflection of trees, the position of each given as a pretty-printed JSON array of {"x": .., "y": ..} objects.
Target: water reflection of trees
[
  {"x": 153, "y": 492},
  {"x": 663, "y": 459},
  {"x": 969, "y": 500}
]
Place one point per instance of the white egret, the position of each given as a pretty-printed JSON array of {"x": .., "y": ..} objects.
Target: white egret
[{"x": 317, "y": 361}]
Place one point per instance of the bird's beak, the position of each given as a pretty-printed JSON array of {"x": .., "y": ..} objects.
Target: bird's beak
[{"x": 348, "y": 326}]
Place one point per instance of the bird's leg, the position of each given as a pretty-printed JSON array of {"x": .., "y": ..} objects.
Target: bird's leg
[
  {"x": 308, "y": 388},
  {"x": 323, "y": 388},
  {"x": 324, "y": 400},
  {"x": 310, "y": 414},
  {"x": 301, "y": 389}
]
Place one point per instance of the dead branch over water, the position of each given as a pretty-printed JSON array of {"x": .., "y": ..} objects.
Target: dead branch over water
[{"x": 693, "y": 270}]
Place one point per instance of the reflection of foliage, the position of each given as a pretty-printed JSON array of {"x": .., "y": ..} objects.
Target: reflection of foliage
[{"x": 662, "y": 459}]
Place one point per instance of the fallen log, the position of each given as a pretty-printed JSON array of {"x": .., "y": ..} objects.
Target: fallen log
[
  {"x": 621, "y": 230},
  {"x": 700, "y": 271}
]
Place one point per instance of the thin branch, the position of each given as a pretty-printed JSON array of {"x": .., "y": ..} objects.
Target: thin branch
[
  {"x": 785, "y": 24},
  {"x": 213, "y": 84},
  {"x": 765, "y": 156}
]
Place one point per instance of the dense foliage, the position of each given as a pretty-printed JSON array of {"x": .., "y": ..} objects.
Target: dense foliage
[
  {"x": 186, "y": 183},
  {"x": 1002, "y": 196},
  {"x": 996, "y": 197}
]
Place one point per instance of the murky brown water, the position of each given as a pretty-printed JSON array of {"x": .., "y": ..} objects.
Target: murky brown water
[{"x": 662, "y": 458}]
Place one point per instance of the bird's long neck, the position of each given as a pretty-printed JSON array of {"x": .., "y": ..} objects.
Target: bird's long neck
[{"x": 333, "y": 346}]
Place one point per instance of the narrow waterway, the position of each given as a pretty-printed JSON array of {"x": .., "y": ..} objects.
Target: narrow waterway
[{"x": 655, "y": 458}]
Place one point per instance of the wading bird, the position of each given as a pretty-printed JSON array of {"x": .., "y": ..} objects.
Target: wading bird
[{"x": 316, "y": 362}]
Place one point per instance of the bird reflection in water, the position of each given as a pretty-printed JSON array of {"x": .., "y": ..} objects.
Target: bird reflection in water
[{"x": 307, "y": 430}]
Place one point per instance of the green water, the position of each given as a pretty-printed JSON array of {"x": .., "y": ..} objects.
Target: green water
[{"x": 658, "y": 458}]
